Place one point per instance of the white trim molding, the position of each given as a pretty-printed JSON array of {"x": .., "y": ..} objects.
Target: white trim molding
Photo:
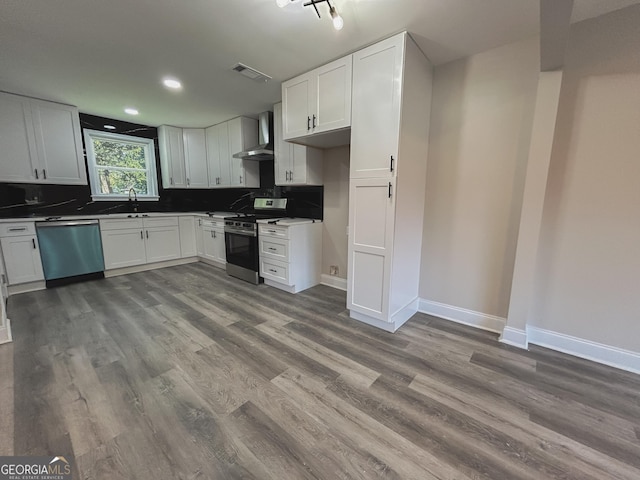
[
  {"x": 5, "y": 333},
  {"x": 472, "y": 318},
  {"x": 333, "y": 281},
  {"x": 515, "y": 337},
  {"x": 579, "y": 347}
]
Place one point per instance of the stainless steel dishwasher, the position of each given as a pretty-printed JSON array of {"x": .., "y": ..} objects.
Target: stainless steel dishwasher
[{"x": 70, "y": 251}]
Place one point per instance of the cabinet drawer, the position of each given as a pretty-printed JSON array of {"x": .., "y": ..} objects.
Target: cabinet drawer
[
  {"x": 160, "y": 221},
  {"x": 211, "y": 223},
  {"x": 276, "y": 231},
  {"x": 17, "y": 229},
  {"x": 119, "y": 223},
  {"x": 274, "y": 270},
  {"x": 274, "y": 248}
]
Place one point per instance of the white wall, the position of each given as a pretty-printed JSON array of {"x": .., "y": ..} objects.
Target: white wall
[
  {"x": 588, "y": 282},
  {"x": 480, "y": 130},
  {"x": 336, "y": 210}
]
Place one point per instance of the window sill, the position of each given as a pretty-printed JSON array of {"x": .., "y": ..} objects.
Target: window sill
[{"x": 123, "y": 198}]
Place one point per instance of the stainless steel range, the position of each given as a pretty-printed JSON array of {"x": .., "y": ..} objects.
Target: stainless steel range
[{"x": 241, "y": 238}]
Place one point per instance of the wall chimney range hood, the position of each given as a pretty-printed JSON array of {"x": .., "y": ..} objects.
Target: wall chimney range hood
[{"x": 263, "y": 151}]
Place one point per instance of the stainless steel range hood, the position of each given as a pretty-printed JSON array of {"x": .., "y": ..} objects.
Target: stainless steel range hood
[{"x": 263, "y": 151}]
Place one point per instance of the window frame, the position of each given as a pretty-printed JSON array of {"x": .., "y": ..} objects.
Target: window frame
[{"x": 148, "y": 145}]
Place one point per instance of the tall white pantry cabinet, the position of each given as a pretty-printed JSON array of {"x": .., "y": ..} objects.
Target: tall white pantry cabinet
[{"x": 391, "y": 105}]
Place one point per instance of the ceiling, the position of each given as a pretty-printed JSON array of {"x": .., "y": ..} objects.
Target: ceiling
[{"x": 104, "y": 56}]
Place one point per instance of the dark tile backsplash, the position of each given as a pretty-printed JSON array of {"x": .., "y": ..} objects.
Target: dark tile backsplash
[{"x": 51, "y": 200}]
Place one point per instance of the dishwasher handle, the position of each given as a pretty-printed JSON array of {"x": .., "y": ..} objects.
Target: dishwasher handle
[{"x": 70, "y": 223}]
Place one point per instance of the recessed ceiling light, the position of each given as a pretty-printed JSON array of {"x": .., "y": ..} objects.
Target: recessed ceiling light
[
  {"x": 131, "y": 111},
  {"x": 109, "y": 127},
  {"x": 172, "y": 83}
]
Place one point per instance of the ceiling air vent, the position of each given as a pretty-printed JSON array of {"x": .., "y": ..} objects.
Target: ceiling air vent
[{"x": 251, "y": 73}]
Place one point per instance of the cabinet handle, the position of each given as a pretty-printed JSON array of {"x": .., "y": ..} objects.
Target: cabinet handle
[
  {"x": 18, "y": 229},
  {"x": 199, "y": 222},
  {"x": 33, "y": 240},
  {"x": 214, "y": 235},
  {"x": 273, "y": 271},
  {"x": 389, "y": 189},
  {"x": 272, "y": 249},
  {"x": 240, "y": 178},
  {"x": 147, "y": 232},
  {"x": 188, "y": 182},
  {"x": 141, "y": 236},
  {"x": 171, "y": 181},
  {"x": 391, "y": 168},
  {"x": 36, "y": 170},
  {"x": 314, "y": 122},
  {"x": 308, "y": 123},
  {"x": 211, "y": 233},
  {"x": 4, "y": 279},
  {"x": 44, "y": 174}
]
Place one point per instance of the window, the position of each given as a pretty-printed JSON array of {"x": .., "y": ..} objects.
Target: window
[{"x": 118, "y": 163}]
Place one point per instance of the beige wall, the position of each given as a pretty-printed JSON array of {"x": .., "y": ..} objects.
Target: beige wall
[
  {"x": 588, "y": 282},
  {"x": 481, "y": 122},
  {"x": 336, "y": 209}
]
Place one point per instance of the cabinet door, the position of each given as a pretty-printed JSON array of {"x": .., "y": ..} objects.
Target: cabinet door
[
  {"x": 219, "y": 245},
  {"x": 17, "y": 140},
  {"x": 123, "y": 248},
  {"x": 209, "y": 244},
  {"x": 162, "y": 243},
  {"x": 243, "y": 134},
  {"x": 188, "y": 246},
  {"x": 375, "y": 116},
  {"x": 22, "y": 259},
  {"x": 199, "y": 238},
  {"x": 297, "y": 105},
  {"x": 371, "y": 223},
  {"x": 172, "y": 157},
  {"x": 195, "y": 157},
  {"x": 218, "y": 156},
  {"x": 332, "y": 96},
  {"x": 59, "y": 143},
  {"x": 282, "y": 150}
]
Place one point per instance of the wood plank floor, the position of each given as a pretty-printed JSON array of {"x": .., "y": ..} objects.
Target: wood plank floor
[{"x": 186, "y": 373}]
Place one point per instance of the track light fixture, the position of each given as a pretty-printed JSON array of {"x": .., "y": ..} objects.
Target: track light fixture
[{"x": 337, "y": 20}]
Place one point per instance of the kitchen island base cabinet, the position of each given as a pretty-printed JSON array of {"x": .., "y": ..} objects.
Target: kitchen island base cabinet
[{"x": 291, "y": 254}]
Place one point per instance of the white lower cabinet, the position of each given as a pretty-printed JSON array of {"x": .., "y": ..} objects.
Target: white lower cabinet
[
  {"x": 188, "y": 243},
  {"x": 128, "y": 242},
  {"x": 290, "y": 254},
  {"x": 21, "y": 253},
  {"x": 212, "y": 241}
]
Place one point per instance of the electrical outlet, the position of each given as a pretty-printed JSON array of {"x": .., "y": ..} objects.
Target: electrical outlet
[{"x": 333, "y": 270}]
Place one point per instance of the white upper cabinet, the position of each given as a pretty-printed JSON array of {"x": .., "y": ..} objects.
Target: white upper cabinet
[
  {"x": 41, "y": 142},
  {"x": 377, "y": 88},
  {"x": 195, "y": 157},
  {"x": 318, "y": 101},
  {"x": 218, "y": 157},
  {"x": 294, "y": 164},
  {"x": 243, "y": 134},
  {"x": 172, "y": 157}
]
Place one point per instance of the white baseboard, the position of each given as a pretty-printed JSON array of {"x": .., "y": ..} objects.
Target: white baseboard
[
  {"x": 579, "y": 347},
  {"x": 148, "y": 266},
  {"x": 333, "y": 281},
  {"x": 462, "y": 315},
  {"x": 514, "y": 337},
  {"x": 397, "y": 319}
]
